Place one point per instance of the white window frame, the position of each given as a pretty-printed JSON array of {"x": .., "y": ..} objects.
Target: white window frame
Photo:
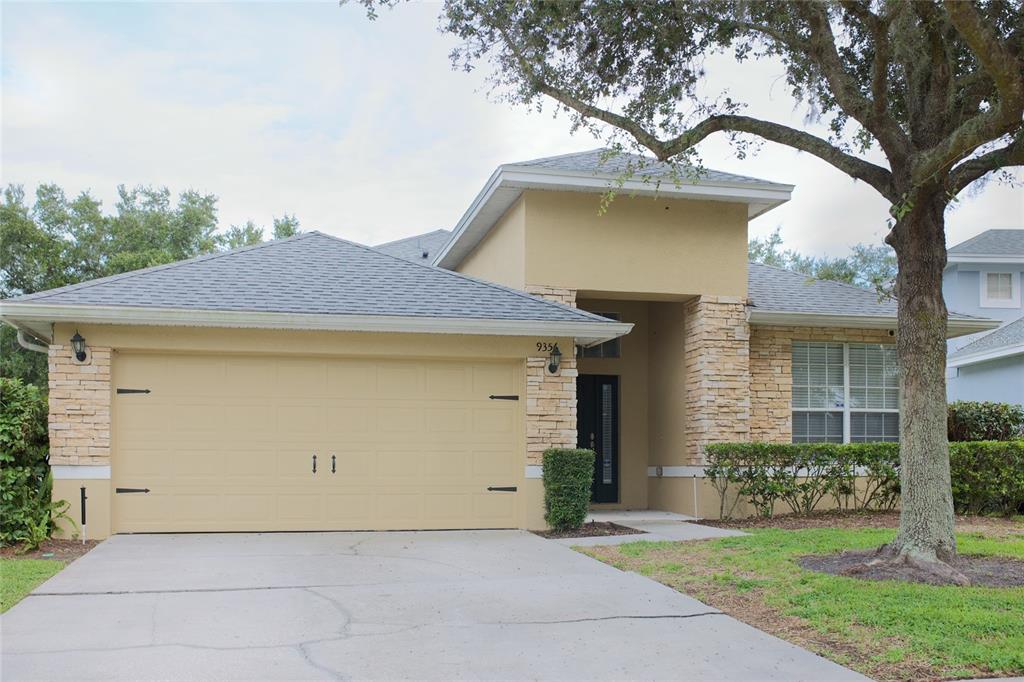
[
  {"x": 845, "y": 409},
  {"x": 1012, "y": 302}
]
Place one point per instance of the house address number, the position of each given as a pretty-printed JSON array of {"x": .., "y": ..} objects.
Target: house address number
[{"x": 545, "y": 347}]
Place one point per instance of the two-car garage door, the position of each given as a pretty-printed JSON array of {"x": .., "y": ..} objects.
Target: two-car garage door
[{"x": 227, "y": 443}]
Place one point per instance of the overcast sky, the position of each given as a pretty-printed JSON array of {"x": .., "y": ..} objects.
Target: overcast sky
[{"x": 360, "y": 129}]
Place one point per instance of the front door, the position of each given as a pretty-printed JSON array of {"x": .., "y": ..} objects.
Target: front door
[{"x": 597, "y": 429}]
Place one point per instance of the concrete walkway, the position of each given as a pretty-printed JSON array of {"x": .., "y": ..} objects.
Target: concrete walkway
[
  {"x": 654, "y": 526},
  {"x": 442, "y": 605}
]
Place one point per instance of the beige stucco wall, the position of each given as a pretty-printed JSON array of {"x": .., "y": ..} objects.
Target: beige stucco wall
[
  {"x": 771, "y": 373},
  {"x": 632, "y": 369},
  {"x": 501, "y": 256},
  {"x": 642, "y": 245},
  {"x": 666, "y": 401}
]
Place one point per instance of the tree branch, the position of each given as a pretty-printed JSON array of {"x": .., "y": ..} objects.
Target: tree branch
[
  {"x": 995, "y": 57},
  {"x": 973, "y": 169},
  {"x": 823, "y": 48}
]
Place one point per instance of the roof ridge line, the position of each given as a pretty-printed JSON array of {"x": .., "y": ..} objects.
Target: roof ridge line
[
  {"x": 414, "y": 236},
  {"x": 78, "y": 286},
  {"x": 459, "y": 275}
]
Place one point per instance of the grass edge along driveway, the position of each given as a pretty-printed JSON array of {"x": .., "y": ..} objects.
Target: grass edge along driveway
[
  {"x": 887, "y": 630},
  {"x": 18, "y": 577}
]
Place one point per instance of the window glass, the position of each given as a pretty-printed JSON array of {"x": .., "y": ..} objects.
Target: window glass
[
  {"x": 824, "y": 373},
  {"x": 608, "y": 349},
  {"x": 999, "y": 286}
]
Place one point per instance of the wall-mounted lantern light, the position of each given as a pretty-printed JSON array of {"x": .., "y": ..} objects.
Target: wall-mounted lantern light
[
  {"x": 78, "y": 345},
  {"x": 554, "y": 360}
]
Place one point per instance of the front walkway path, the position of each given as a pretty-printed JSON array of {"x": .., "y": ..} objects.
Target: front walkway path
[{"x": 434, "y": 605}]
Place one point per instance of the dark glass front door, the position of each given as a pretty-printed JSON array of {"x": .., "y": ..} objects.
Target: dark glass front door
[{"x": 597, "y": 428}]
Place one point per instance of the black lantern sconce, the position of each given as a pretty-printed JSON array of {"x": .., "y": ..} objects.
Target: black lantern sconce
[
  {"x": 78, "y": 345},
  {"x": 554, "y": 360}
]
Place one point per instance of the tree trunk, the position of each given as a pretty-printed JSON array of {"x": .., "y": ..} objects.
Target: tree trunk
[{"x": 925, "y": 540}]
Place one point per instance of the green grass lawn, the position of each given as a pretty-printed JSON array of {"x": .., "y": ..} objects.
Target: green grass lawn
[
  {"x": 18, "y": 577},
  {"x": 887, "y": 630}
]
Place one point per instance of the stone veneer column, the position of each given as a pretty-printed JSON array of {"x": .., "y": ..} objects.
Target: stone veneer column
[
  {"x": 717, "y": 359},
  {"x": 79, "y": 407},
  {"x": 550, "y": 398}
]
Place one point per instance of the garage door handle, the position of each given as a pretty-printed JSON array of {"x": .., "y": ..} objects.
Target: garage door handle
[
  {"x": 334, "y": 462},
  {"x": 502, "y": 488},
  {"x": 314, "y": 464}
]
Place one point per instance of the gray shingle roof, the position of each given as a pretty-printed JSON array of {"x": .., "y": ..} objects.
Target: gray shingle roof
[
  {"x": 992, "y": 243},
  {"x": 312, "y": 273},
  {"x": 419, "y": 247},
  {"x": 778, "y": 290},
  {"x": 1011, "y": 334},
  {"x": 594, "y": 161}
]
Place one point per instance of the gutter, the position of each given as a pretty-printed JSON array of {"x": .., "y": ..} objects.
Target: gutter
[
  {"x": 586, "y": 332},
  {"x": 955, "y": 327},
  {"x": 985, "y": 356},
  {"x": 28, "y": 345}
]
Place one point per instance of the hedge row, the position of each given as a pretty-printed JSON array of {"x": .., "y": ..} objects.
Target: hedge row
[
  {"x": 26, "y": 510},
  {"x": 967, "y": 421},
  {"x": 987, "y": 476}
]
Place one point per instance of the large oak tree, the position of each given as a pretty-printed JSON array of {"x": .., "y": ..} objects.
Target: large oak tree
[{"x": 933, "y": 87}]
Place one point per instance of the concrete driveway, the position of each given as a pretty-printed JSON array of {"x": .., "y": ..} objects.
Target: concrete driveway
[{"x": 435, "y": 605}]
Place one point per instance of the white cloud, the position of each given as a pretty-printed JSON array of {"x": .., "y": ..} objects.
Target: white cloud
[{"x": 359, "y": 128}]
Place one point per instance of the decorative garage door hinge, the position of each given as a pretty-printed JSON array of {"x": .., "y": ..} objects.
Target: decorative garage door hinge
[
  {"x": 502, "y": 488},
  {"x": 131, "y": 490},
  {"x": 132, "y": 390},
  {"x": 503, "y": 397}
]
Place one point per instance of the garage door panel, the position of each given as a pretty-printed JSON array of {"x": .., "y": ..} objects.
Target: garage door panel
[{"x": 226, "y": 443}]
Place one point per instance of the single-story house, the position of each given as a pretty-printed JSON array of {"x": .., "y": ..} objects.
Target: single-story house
[{"x": 317, "y": 384}]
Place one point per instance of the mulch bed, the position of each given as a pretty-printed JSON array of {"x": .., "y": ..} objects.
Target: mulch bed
[
  {"x": 61, "y": 550},
  {"x": 989, "y": 525},
  {"x": 589, "y": 530},
  {"x": 983, "y": 571}
]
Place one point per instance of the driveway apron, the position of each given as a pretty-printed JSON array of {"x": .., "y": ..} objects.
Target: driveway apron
[{"x": 402, "y": 605}]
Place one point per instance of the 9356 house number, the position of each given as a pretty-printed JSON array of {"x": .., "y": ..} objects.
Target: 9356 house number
[{"x": 545, "y": 347}]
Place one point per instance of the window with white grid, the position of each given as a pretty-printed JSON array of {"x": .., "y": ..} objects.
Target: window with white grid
[{"x": 845, "y": 392}]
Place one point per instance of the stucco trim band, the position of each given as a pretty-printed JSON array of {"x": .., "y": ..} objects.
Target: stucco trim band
[{"x": 85, "y": 472}]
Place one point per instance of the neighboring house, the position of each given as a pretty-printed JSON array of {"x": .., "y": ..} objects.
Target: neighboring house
[
  {"x": 983, "y": 277},
  {"x": 313, "y": 383}
]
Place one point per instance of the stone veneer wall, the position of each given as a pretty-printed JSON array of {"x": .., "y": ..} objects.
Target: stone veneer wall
[
  {"x": 79, "y": 407},
  {"x": 716, "y": 347},
  {"x": 550, "y": 398},
  {"x": 771, "y": 373}
]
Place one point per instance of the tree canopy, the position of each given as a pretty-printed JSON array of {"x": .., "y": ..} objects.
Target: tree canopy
[
  {"x": 871, "y": 266},
  {"x": 55, "y": 241}
]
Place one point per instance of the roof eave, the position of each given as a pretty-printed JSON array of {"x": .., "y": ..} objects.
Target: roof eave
[
  {"x": 984, "y": 259},
  {"x": 759, "y": 197},
  {"x": 776, "y": 318},
  {"x": 32, "y": 316},
  {"x": 985, "y": 356}
]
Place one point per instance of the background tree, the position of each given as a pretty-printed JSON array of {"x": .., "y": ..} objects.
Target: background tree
[
  {"x": 58, "y": 241},
  {"x": 871, "y": 266},
  {"x": 934, "y": 87}
]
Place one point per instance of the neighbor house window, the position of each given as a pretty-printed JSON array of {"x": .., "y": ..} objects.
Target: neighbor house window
[
  {"x": 1000, "y": 289},
  {"x": 608, "y": 349},
  {"x": 845, "y": 393}
]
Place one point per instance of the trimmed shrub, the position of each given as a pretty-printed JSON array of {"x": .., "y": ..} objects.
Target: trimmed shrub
[
  {"x": 26, "y": 510},
  {"x": 568, "y": 476},
  {"x": 974, "y": 421},
  {"x": 988, "y": 476}
]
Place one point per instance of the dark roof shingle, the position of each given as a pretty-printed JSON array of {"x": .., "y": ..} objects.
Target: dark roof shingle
[
  {"x": 992, "y": 243},
  {"x": 312, "y": 273}
]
